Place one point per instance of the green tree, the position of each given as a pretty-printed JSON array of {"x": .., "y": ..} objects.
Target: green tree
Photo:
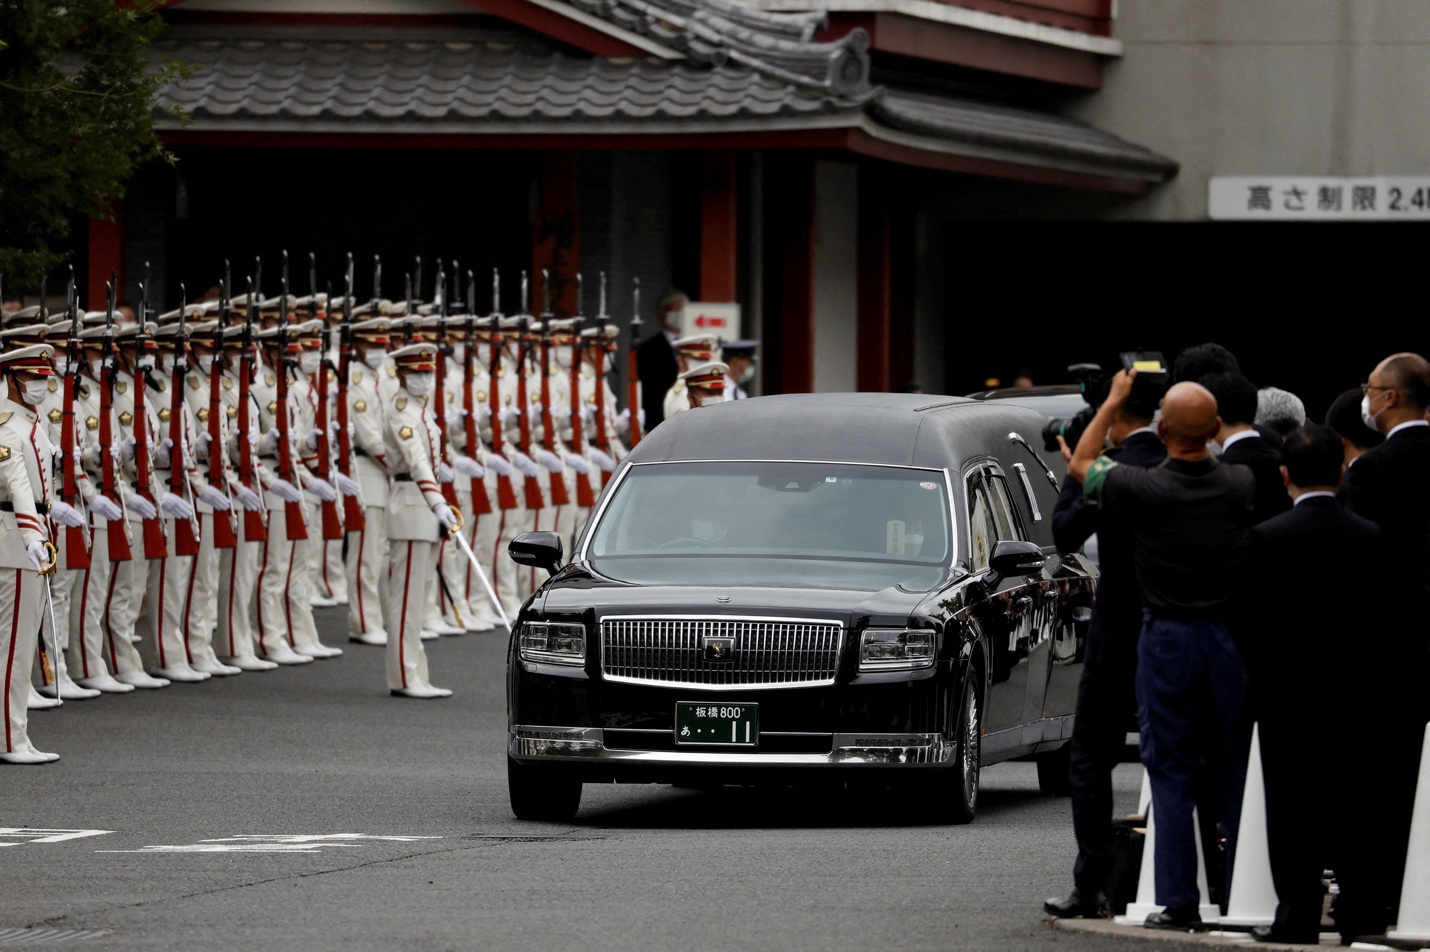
[{"x": 76, "y": 117}]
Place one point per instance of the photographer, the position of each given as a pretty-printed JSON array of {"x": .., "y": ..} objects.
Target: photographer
[
  {"x": 1106, "y": 700},
  {"x": 1189, "y": 520}
]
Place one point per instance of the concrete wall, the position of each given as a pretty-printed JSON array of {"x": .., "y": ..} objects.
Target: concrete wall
[
  {"x": 1267, "y": 87},
  {"x": 836, "y": 276}
]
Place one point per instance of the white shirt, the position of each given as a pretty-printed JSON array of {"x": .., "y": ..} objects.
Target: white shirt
[
  {"x": 1237, "y": 437},
  {"x": 1313, "y": 494},
  {"x": 1406, "y": 425}
]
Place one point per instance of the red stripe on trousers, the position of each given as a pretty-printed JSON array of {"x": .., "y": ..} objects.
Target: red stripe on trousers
[
  {"x": 402, "y": 622},
  {"x": 10, "y": 661},
  {"x": 362, "y": 612},
  {"x": 108, "y": 615},
  {"x": 83, "y": 607},
  {"x": 262, "y": 569}
]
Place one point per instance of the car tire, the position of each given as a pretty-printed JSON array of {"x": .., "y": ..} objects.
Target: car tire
[
  {"x": 956, "y": 787},
  {"x": 539, "y": 793},
  {"x": 1054, "y": 772}
]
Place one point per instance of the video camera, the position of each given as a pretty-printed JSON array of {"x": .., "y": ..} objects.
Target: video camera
[{"x": 1152, "y": 380}]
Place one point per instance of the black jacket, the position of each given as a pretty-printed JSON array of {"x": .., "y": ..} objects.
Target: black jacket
[
  {"x": 1264, "y": 461},
  {"x": 1299, "y": 629},
  {"x": 655, "y": 362},
  {"x": 1390, "y": 486},
  {"x": 1117, "y": 615}
]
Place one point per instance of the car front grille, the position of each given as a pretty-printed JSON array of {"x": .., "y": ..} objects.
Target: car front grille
[{"x": 767, "y": 653}]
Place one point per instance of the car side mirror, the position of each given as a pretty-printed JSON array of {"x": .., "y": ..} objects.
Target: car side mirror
[
  {"x": 540, "y": 550},
  {"x": 1009, "y": 559}
]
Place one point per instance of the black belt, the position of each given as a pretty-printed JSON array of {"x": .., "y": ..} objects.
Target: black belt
[
  {"x": 42, "y": 508},
  {"x": 403, "y": 477},
  {"x": 359, "y": 451}
]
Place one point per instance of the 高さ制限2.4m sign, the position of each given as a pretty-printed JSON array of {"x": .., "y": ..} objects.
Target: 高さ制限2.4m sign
[{"x": 1318, "y": 198}]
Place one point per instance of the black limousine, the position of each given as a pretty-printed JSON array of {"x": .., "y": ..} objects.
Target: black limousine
[{"x": 804, "y": 589}]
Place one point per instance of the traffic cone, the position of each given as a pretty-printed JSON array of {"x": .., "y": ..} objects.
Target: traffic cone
[
  {"x": 1253, "y": 894},
  {"x": 1414, "y": 924},
  {"x": 1145, "y": 904}
]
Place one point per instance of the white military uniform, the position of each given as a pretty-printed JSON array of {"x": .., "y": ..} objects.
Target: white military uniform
[
  {"x": 414, "y": 531},
  {"x": 309, "y": 552},
  {"x": 369, "y": 392},
  {"x": 475, "y": 495}
]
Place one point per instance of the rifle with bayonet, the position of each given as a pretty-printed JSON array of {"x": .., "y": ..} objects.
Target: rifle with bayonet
[
  {"x": 255, "y": 528},
  {"x": 633, "y": 385},
  {"x": 532, "y": 493},
  {"x": 353, "y": 517},
  {"x": 506, "y": 496},
  {"x": 76, "y": 537},
  {"x": 296, "y": 525},
  {"x": 186, "y": 531},
  {"x": 225, "y": 534},
  {"x": 118, "y": 530},
  {"x": 559, "y": 496},
  {"x": 156, "y": 544},
  {"x": 332, "y": 525},
  {"x": 481, "y": 502},
  {"x": 439, "y": 389},
  {"x": 584, "y": 495},
  {"x": 598, "y": 344}
]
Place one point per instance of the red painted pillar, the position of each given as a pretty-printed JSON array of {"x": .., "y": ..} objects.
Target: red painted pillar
[
  {"x": 556, "y": 233},
  {"x": 719, "y": 237},
  {"x": 875, "y": 281},
  {"x": 106, "y": 255}
]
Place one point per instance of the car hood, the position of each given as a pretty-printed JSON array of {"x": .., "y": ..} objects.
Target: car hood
[{"x": 577, "y": 592}]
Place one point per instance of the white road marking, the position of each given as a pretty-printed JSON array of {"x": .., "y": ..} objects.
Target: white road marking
[
  {"x": 22, "y": 835},
  {"x": 275, "y": 843}
]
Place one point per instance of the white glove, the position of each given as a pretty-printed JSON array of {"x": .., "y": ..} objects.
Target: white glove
[
  {"x": 141, "y": 507},
  {"x": 588, "y": 414},
  {"x": 484, "y": 413},
  {"x": 248, "y": 499},
  {"x": 105, "y": 508},
  {"x": 534, "y": 409},
  {"x": 56, "y": 451},
  {"x": 444, "y": 515},
  {"x": 623, "y": 421},
  {"x": 578, "y": 464},
  {"x": 176, "y": 507},
  {"x": 91, "y": 456},
  {"x": 347, "y": 485},
  {"x": 498, "y": 465},
  {"x": 640, "y": 415},
  {"x": 602, "y": 460},
  {"x": 284, "y": 490},
  {"x": 311, "y": 441},
  {"x": 38, "y": 554},
  {"x": 523, "y": 462},
  {"x": 268, "y": 442},
  {"x": 66, "y": 515},
  {"x": 216, "y": 498},
  {"x": 445, "y": 473},
  {"x": 202, "y": 450},
  {"x": 508, "y": 416},
  {"x": 548, "y": 459},
  {"x": 469, "y": 467},
  {"x": 562, "y": 415},
  {"x": 322, "y": 489},
  {"x": 126, "y": 447},
  {"x": 164, "y": 452}
]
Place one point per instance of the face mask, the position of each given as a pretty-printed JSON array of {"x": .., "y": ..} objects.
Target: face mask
[
  {"x": 747, "y": 374},
  {"x": 166, "y": 363},
  {"x": 419, "y": 385},
  {"x": 1366, "y": 415},
  {"x": 459, "y": 352},
  {"x": 146, "y": 362},
  {"x": 563, "y": 358},
  {"x": 710, "y": 401},
  {"x": 205, "y": 363},
  {"x": 373, "y": 357},
  {"x": 308, "y": 362},
  {"x": 36, "y": 391},
  {"x": 96, "y": 365}
]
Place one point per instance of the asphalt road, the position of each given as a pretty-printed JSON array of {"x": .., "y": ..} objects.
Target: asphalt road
[{"x": 222, "y": 801}]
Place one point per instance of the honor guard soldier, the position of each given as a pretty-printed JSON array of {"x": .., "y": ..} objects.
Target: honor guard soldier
[
  {"x": 369, "y": 390},
  {"x": 740, "y": 356},
  {"x": 25, "y": 547},
  {"x": 466, "y": 592},
  {"x": 499, "y": 479},
  {"x": 309, "y": 552},
  {"x": 704, "y": 385},
  {"x": 689, "y": 352},
  {"x": 417, "y": 518},
  {"x": 564, "y": 400},
  {"x": 330, "y": 586},
  {"x": 237, "y": 634},
  {"x": 277, "y": 628}
]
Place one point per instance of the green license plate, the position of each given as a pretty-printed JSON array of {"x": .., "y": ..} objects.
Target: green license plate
[{"x": 727, "y": 725}]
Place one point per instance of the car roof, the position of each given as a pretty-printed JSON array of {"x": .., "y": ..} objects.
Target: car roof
[{"x": 893, "y": 428}]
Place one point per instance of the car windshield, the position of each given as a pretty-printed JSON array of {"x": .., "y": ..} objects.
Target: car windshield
[{"x": 825, "y": 525}]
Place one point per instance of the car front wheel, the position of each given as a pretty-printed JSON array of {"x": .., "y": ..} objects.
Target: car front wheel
[{"x": 539, "y": 793}]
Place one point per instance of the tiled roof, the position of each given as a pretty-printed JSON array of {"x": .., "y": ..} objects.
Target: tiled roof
[{"x": 457, "y": 81}]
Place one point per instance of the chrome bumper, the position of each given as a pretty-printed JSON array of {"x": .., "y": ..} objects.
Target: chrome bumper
[{"x": 585, "y": 744}]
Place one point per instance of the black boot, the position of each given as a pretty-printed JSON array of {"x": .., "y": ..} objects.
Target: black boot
[
  {"x": 1175, "y": 920},
  {"x": 1077, "y": 905}
]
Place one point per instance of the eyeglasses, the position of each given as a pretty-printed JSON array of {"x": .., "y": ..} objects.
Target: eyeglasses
[{"x": 1366, "y": 388}]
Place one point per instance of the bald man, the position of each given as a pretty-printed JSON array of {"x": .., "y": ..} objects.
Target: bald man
[
  {"x": 1387, "y": 485},
  {"x": 1190, "y": 519}
]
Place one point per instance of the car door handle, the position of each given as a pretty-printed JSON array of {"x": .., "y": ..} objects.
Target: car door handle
[{"x": 1023, "y": 603}]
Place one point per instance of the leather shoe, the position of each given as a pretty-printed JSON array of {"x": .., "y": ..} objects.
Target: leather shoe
[
  {"x": 215, "y": 668},
  {"x": 103, "y": 682},
  {"x": 1273, "y": 934},
  {"x": 422, "y": 692},
  {"x": 1077, "y": 905},
  {"x": 286, "y": 655},
  {"x": 250, "y": 663},
  {"x": 139, "y": 679},
  {"x": 181, "y": 673},
  {"x": 38, "y": 702},
  {"x": 1175, "y": 920},
  {"x": 29, "y": 755},
  {"x": 378, "y": 637}
]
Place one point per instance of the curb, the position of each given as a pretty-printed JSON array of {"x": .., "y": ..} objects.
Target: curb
[{"x": 1108, "y": 928}]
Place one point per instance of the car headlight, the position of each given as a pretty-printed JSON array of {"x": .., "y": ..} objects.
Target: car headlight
[
  {"x": 553, "y": 642},
  {"x": 894, "y": 649}
]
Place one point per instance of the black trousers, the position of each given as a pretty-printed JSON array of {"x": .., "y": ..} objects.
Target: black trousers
[
  {"x": 1305, "y": 808},
  {"x": 1106, "y": 708}
]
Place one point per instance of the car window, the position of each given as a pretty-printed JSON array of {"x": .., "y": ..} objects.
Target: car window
[
  {"x": 982, "y": 529},
  {"x": 1004, "y": 515}
]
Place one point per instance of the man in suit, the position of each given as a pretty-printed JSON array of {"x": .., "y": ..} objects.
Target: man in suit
[
  {"x": 1243, "y": 445},
  {"x": 1106, "y": 699},
  {"x": 1299, "y": 670},
  {"x": 1387, "y": 485},
  {"x": 655, "y": 359},
  {"x": 1356, "y": 438}
]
